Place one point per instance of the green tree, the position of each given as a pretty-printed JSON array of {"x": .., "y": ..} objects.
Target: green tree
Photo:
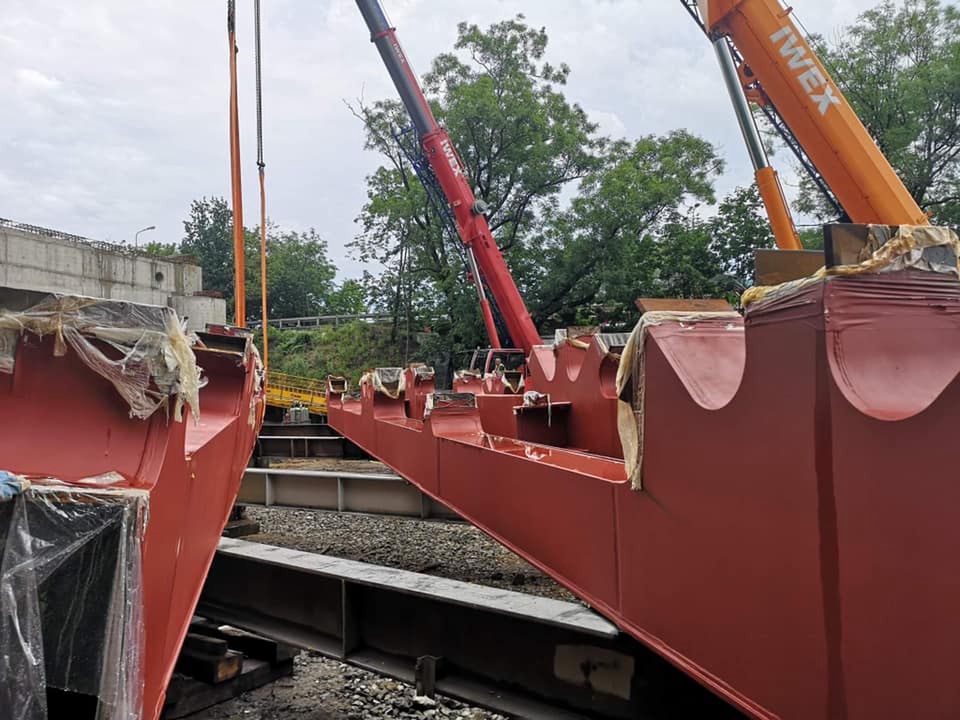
[
  {"x": 159, "y": 249},
  {"x": 522, "y": 143},
  {"x": 300, "y": 275},
  {"x": 208, "y": 237},
  {"x": 737, "y": 231},
  {"x": 348, "y": 299},
  {"x": 899, "y": 65},
  {"x": 611, "y": 246}
]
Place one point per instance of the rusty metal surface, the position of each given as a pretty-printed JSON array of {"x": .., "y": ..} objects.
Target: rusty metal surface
[{"x": 520, "y": 654}]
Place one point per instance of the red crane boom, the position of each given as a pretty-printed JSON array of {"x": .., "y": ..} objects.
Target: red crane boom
[{"x": 483, "y": 255}]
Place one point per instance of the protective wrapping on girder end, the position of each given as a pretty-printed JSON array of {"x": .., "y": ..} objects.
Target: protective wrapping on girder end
[
  {"x": 389, "y": 381},
  {"x": 422, "y": 372},
  {"x": 449, "y": 402},
  {"x": 71, "y": 602},
  {"x": 905, "y": 247},
  {"x": 143, "y": 350}
]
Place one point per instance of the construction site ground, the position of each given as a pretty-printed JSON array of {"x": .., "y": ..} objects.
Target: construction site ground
[
  {"x": 448, "y": 549},
  {"x": 324, "y": 689}
]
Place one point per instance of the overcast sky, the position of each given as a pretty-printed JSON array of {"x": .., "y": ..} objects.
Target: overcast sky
[{"x": 114, "y": 112}]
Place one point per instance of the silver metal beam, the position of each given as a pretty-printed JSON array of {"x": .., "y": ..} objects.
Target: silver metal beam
[
  {"x": 315, "y": 321},
  {"x": 519, "y": 654},
  {"x": 741, "y": 108},
  {"x": 375, "y": 493}
]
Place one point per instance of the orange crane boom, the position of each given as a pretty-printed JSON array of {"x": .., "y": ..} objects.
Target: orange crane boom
[{"x": 781, "y": 68}]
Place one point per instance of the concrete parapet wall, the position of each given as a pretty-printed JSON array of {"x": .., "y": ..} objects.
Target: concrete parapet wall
[
  {"x": 34, "y": 261},
  {"x": 200, "y": 311}
]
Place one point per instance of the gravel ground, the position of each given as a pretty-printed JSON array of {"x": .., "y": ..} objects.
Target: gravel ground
[
  {"x": 323, "y": 689},
  {"x": 446, "y": 549}
]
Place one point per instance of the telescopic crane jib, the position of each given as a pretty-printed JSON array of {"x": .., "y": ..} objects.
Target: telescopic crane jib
[
  {"x": 487, "y": 265},
  {"x": 779, "y": 69}
]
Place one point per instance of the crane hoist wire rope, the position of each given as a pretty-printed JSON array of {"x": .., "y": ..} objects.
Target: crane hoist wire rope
[{"x": 261, "y": 165}]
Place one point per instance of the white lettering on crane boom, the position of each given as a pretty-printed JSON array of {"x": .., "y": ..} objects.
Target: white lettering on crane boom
[
  {"x": 809, "y": 75},
  {"x": 451, "y": 157}
]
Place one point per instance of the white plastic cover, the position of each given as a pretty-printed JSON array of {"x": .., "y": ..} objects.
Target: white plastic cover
[{"x": 390, "y": 381}]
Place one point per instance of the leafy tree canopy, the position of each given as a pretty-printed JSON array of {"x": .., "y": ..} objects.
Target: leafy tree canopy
[
  {"x": 300, "y": 275},
  {"x": 899, "y": 66}
]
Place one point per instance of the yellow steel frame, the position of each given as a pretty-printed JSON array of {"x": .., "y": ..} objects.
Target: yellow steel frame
[{"x": 288, "y": 390}]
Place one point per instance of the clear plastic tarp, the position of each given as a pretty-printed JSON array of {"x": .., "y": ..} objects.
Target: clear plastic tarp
[
  {"x": 143, "y": 350},
  {"x": 71, "y": 622},
  {"x": 390, "y": 381}
]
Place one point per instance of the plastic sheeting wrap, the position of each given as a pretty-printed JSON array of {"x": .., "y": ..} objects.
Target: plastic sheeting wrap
[
  {"x": 143, "y": 350},
  {"x": 390, "y": 381},
  {"x": 71, "y": 624},
  {"x": 449, "y": 400},
  {"x": 884, "y": 252}
]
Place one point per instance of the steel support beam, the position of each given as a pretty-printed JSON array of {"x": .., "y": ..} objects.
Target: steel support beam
[
  {"x": 288, "y": 446},
  {"x": 299, "y": 430},
  {"x": 519, "y": 654},
  {"x": 375, "y": 493}
]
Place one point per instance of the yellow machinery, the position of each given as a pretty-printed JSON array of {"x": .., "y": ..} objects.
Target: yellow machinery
[{"x": 289, "y": 390}]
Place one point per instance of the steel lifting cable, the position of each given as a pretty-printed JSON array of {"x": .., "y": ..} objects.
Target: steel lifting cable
[{"x": 263, "y": 192}]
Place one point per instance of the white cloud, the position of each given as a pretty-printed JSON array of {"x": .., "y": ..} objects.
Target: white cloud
[
  {"x": 30, "y": 79},
  {"x": 116, "y": 117}
]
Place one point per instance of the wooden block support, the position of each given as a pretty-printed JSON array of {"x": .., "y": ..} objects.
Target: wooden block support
[
  {"x": 219, "y": 662},
  {"x": 253, "y": 646},
  {"x": 186, "y": 696},
  {"x": 779, "y": 266},
  {"x": 205, "y": 644},
  {"x": 210, "y": 668},
  {"x": 646, "y": 305}
]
